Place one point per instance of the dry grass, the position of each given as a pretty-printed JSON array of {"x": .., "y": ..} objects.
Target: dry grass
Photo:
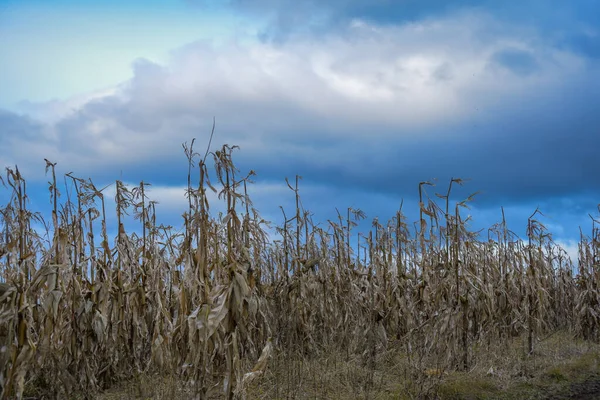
[
  {"x": 219, "y": 310},
  {"x": 499, "y": 373}
]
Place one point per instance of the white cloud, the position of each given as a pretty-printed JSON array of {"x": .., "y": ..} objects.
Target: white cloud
[{"x": 353, "y": 87}]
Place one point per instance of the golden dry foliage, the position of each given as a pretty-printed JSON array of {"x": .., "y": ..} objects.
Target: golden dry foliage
[{"x": 214, "y": 304}]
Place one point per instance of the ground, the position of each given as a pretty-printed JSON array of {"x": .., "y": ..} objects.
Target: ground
[{"x": 562, "y": 367}]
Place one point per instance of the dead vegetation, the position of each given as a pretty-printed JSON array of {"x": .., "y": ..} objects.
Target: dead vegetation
[{"x": 220, "y": 308}]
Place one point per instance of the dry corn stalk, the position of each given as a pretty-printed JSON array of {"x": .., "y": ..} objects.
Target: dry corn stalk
[{"x": 79, "y": 311}]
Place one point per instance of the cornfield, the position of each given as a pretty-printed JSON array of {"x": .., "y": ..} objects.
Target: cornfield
[{"x": 219, "y": 303}]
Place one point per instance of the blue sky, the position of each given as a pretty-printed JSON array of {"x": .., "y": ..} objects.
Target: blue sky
[{"x": 364, "y": 99}]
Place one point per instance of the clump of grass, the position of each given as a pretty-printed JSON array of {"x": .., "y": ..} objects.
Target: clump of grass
[
  {"x": 556, "y": 374},
  {"x": 467, "y": 388},
  {"x": 586, "y": 363}
]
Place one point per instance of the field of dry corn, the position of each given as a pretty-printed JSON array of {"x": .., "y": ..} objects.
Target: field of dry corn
[{"x": 219, "y": 305}]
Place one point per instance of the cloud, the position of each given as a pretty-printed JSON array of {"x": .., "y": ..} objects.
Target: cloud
[
  {"x": 518, "y": 61},
  {"x": 368, "y": 109},
  {"x": 21, "y": 139},
  {"x": 53, "y": 111},
  {"x": 559, "y": 21}
]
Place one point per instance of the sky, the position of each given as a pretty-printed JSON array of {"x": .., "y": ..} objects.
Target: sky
[{"x": 363, "y": 99}]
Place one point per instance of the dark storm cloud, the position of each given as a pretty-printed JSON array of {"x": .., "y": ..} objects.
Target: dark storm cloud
[
  {"x": 516, "y": 145},
  {"x": 13, "y": 126},
  {"x": 363, "y": 116},
  {"x": 22, "y": 139},
  {"x": 565, "y": 22}
]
